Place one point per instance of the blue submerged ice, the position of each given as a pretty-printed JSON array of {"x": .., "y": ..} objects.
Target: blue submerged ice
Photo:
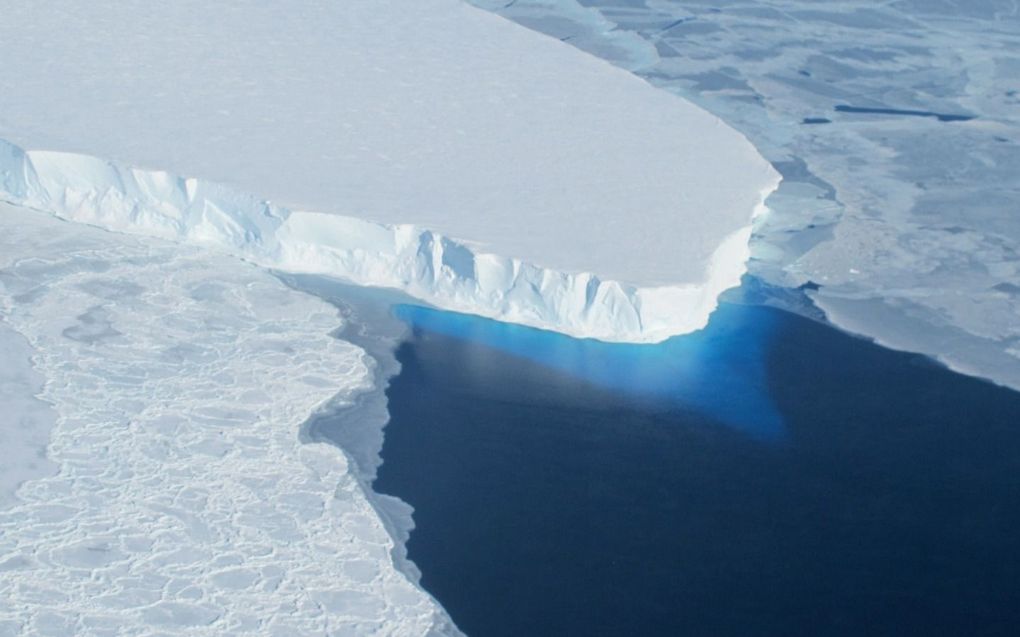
[{"x": 719, "y": 371}]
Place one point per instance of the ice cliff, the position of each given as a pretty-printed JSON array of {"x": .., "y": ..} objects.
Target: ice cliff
[
  {"x": 437, "y": 269},
  {"x": 475, "y": 164}
]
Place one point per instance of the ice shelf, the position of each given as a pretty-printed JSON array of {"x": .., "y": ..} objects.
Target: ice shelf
[{"x": 445, "y": 151}]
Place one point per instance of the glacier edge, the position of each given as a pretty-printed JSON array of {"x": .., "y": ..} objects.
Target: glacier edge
[{"x": 446, "y": 272}]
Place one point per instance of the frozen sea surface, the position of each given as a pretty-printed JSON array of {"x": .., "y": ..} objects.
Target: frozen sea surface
[
  {"x": 896, "y": 126},
  {"x": 185, "y": 501},
  {"x": 26, "y": 420}
]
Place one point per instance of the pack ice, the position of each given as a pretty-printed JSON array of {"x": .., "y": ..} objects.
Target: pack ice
[
  {"x": 178, "y": 497},
  {"x": 424, "y": 145}
]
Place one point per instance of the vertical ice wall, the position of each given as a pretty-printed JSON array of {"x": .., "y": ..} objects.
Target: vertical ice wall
[
  {"x": 549, "y": 187},
  {"x": 451, "y": 274}
]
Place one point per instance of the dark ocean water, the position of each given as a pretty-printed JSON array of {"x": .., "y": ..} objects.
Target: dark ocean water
[{"x": 767, "y": 476}]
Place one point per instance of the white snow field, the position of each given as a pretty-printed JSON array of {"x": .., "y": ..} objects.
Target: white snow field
[
  {"x": 904, "y": 217},
  {"x": 471, "y": 162},
  {"x": 183, "y": 501}
]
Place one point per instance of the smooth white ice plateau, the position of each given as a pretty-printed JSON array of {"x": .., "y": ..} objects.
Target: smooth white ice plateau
[
  {"x": 446, "y": 151},
  {"x": 181, "y": 500}
]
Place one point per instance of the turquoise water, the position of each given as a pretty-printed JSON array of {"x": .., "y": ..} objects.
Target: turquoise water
[
  {"x": 719, "y": 371},
  {"x": 768, "y": 476}
]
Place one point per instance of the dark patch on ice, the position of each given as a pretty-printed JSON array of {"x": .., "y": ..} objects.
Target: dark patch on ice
[
  {"x": 111, "y": 289},
  {"x": 93, "y": 327},
  {"x": 208, "y": 292},
  {"x": 796, "y": 169},
  {"x": 865, "y": 110},
  {"x": 816, "y": 120}
]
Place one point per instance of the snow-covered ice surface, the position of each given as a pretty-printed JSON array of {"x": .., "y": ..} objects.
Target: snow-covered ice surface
[
  {"x": 26, "y": 420},
  {"x": 185, "y": 502},
  {"x": 540, "y": 184},
  {"x": 896, "y": 126}
]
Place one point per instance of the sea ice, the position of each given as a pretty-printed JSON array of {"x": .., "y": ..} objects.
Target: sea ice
[
  {"x": 185, "y": 501},
  {"x": 26, "y": 419}
]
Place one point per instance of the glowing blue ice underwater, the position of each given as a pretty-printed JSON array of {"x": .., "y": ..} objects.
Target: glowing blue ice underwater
[{"x": 720, "y": 371}]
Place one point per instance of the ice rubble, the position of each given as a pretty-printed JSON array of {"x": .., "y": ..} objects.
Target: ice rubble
[
  {"x": 476, "y": 164},
  {"x": 185, "y": 501}
]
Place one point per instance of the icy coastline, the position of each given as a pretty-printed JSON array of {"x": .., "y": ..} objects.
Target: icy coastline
[{"x": 452, "y": 274}]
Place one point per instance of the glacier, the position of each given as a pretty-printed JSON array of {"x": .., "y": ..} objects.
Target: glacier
[{"x": 475, "y": 164}]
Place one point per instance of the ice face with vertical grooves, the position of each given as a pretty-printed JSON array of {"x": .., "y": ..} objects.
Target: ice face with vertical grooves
[
  {"x": 504, "y": 172},
  {"x": 185, "y": 502},
  {"x": 451, "y": 274}
]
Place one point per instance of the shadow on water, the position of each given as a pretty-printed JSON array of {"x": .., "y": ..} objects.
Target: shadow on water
[{"x": 565, "y": 488}]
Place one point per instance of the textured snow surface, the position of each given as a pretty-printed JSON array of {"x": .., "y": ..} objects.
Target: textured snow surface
[
  {"x": 424, "y": 112},
  {"x": 185, "y": 502},
  {"x": 901, "y": 209}
]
